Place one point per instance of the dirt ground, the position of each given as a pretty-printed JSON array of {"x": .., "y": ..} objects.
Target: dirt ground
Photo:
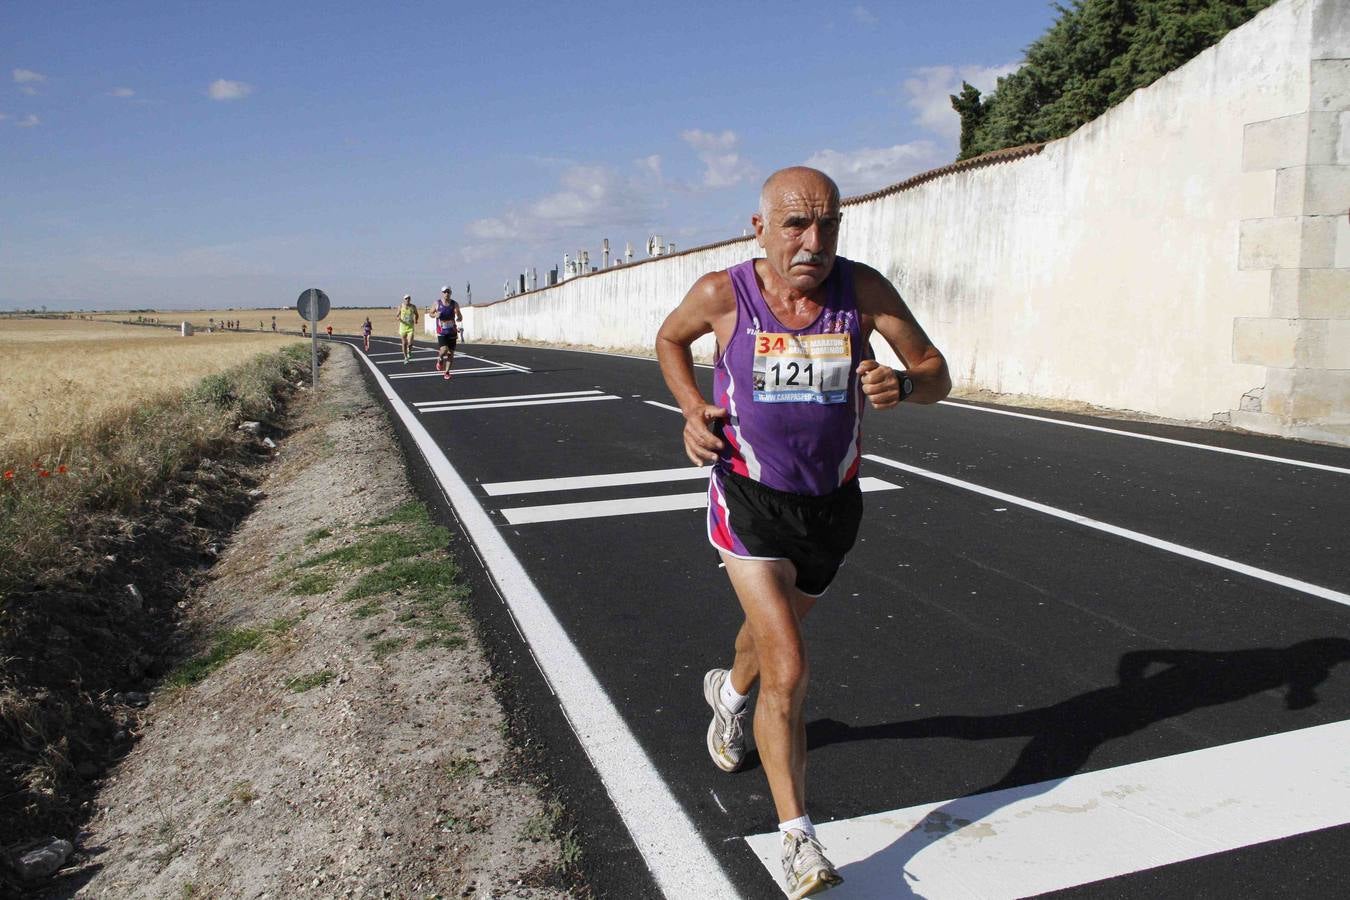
[{"x": 340, "y": 756}]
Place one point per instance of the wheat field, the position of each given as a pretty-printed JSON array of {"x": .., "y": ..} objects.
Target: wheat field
[{"x": 60, "y": 376}]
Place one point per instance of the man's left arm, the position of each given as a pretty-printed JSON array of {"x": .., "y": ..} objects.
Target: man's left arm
[{"x": 881, "y": 305}]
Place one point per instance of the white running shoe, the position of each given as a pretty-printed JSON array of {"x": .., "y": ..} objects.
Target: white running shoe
[
  {"x": 726, "y": 734},
  {"x": 805, "y": 867}
]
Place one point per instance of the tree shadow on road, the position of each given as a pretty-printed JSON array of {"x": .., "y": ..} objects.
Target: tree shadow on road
[{"x": 1064, "y": 735}]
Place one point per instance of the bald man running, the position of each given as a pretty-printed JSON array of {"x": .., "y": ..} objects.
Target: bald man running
[{"x": 784, "y": 437}]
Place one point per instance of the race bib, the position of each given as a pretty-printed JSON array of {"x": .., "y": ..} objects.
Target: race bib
[{"x": 802, "y": 368}]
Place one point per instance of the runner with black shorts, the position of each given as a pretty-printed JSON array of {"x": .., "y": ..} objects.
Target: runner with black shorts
[
  {"x": 790, "y": 378},
  {"x": 448, "y": 318}
]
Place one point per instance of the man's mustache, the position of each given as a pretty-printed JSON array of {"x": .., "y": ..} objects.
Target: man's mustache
[{"x": 811, "y": 259}]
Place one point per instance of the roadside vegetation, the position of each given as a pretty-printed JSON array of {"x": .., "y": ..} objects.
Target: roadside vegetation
[
  {"x": 1095, "y": 55},
  {"x": 106, "y": 521}
]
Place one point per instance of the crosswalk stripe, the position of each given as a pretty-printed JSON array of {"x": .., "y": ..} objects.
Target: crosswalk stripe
[
  {"x": 529, "y": 515},
  {"x": 435, "y": 374},
  {"x": 579, "y": 482},
  {"x": 506, "y": 397},
  {"x": 1037, "y": 838},
  {"x": 449, "y": 408}
]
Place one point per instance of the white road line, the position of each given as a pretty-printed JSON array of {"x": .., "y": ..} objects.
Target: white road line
[
  {"x": 590, "y": 392},
  {"x": 677, "y": 856},
  {"x": 1151, "y": 437},
  {"x": 399, "y": 353},
  {"x": 663, "y": 405},
  {"x": 441, "y": 409},
  {"x": 1045, "y": 837},
  {"x": 580, "y": 482},
  {"x": 435, "y": 374},
  {"x": 1180, "y": 550},
  {"x": 416, "y": 357},
  {"x": 529, "y": 515},
  {"x": 495, "y": 362}
]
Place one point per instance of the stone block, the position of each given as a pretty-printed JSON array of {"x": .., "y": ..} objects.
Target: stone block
[
  {"x": 1310, "y": 293},
  {"x": 1276, "y": 143},
  {"x": 1343, "y": 138},
  {"x": 1308, "y": 395},
  {"x": 1330, "y": 83},
  {"x": 1340, "y": 257},
  {"x": 1312, "y": 191},
  {"x": 1330, "y": 29},
  {"x": 1265, "y": 342},
  {"x": 1273, "y": 243}
]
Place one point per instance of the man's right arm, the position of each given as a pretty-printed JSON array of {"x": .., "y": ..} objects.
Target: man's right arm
[{"x": 707, "y": 305}]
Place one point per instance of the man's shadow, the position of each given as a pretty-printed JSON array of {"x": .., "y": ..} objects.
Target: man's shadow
[{"x": 1063, "y": 736}]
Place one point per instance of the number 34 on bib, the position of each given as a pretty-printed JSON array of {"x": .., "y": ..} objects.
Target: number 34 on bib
[{"x": 802, "y": 368}]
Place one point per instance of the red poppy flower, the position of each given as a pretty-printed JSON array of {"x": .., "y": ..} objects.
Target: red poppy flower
[
  {"x": 43, "y": 473},
  {"x": 9, "y": 474},
  {"x": 61, "y": 469}
]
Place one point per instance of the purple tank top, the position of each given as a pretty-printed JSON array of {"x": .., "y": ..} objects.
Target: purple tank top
[{"x": 794, "y": 408}]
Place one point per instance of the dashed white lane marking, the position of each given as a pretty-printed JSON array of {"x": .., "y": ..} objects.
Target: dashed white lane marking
[
  {"x": 505, "y": 404},
  {"x": 1037, "y": 838},
  {"x": 1189, "y": 552},
  {"x": 528, "y": 515},
  {"x": 661, "y": 405},
  {"x": 506, "y": 397},
  {"x": 676, "y": 855},
  {"x": 1151, "y": 437}
]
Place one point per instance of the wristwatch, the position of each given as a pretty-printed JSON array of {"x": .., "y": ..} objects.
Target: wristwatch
[{"x": 906, "y": 386}]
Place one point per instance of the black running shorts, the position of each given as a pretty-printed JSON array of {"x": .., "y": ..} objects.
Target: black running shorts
[
  {"x": 813, "y": 533},
  {"x": 447, "y": 340}
]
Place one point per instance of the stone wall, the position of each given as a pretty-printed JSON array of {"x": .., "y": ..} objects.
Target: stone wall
[{"x": 1185, "y": 255}]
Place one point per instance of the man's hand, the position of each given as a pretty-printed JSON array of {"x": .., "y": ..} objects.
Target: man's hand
[
  {"x": 879, "y": 383},
  {"x": 701, "y": 445}
]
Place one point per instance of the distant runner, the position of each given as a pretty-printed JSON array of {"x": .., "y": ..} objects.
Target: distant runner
[
  {"x": 407, "y": 318},
  {"x": 329, "y": 329},
  {"x": 448, "y": 318},
  {"x": 274, "y": 323},
  {"x": 365, "y": 332}
]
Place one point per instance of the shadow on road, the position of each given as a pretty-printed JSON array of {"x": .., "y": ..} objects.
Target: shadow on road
[{"x": 1064, "y": 735}]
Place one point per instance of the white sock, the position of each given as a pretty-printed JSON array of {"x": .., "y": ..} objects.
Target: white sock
[
  {"x": 802, "y": 824},
  {"x": 730, "y": 699}
]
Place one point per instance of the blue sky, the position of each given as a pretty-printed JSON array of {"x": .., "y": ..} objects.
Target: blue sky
[{"x": 206, "y": 154}]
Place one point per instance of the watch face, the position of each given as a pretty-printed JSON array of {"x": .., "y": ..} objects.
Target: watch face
[{"x": 906, "y": 387}]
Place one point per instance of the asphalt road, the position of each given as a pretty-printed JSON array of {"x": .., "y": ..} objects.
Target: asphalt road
[{"x": 1112, "y": 661}]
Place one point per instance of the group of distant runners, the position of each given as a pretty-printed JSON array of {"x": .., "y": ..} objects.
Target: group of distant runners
[{"x": 448, "y": 323}]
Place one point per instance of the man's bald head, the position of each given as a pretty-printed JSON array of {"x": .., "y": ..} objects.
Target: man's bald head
[{"x": 792, "y": 181}]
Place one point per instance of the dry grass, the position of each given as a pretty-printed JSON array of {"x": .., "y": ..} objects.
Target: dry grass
[
  {"x": 344, "y": 321},
  {"x": 60, "y": 377}
]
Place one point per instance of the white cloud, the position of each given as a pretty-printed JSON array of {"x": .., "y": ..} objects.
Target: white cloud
[
  {"x": 27, "y": 80},
  {"x": 122, "y": 92},
  {"x": 29, "y": 121},
  {"x": 723, "y": 166},
  {"x": 864, "y": 16},
  {"x": 589, "y": 197},
  {"x": 221, "y": 89},
  {"x": 931, "y": 89},
  {"x": 869, "y": 169}
]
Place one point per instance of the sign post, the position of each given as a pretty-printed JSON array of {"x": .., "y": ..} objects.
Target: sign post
[{"x": 313, "y": 306}]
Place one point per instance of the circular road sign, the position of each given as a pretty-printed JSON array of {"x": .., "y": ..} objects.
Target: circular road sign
[{"x": 312, "y": 305}]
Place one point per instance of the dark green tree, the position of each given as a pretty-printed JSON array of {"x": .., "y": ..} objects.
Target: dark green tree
[{"x": 1095, "y": 54}]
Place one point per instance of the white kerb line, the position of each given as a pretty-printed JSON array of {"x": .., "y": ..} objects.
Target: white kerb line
[
  {"x": 676, "y": 854},
  {"x": 1151, "y": 437},
  {"x": 1191, "y": 553}
]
